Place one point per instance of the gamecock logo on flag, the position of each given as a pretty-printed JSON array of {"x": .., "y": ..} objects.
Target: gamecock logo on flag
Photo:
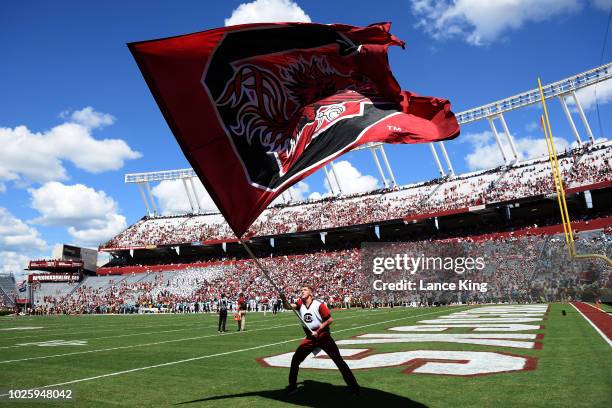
[{"x": 256, "y": 108}]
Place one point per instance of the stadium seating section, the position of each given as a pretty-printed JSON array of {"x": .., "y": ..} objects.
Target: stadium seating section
[{"x": 581, "y": 168}]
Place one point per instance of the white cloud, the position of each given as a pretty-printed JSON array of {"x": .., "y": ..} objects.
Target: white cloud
[
  {"x": 486, "y": 154},
  {"x": 90, "y": 216},
  {"x": 299, "y": 191},
  {"x": 600, "y": 92},
  {"x": 89, "y": 118},
  {"x": 61, "y": 204},
  {"x": 267, "y": 11},
  {"x": 13, "y": 262},
  {"x": 172, "y": 198},
  {"x": 315, "y": 196},
  {"x": 18, "y": 242},
  {"x": 597, "y": 140},
  {"x": 351, "y": 179},
  {"x": 27, "y": 157},
  {"x": 532, "y": 126},
  {"x": 98, "y": 230},
  {"x": 602, "y": 4},
  {"x": 481, "y": 22},
  {"x": 73, "y": 142},
  {"x": 294, "y": 194},
  {"x": 103, "y": 258},
  {"x": 15, "y": 235},
  {"x": 24, "y": 155}
]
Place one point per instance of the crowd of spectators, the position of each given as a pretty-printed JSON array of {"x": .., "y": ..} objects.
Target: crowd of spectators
[
  {"x": 580, "y": 167},
  {"x": 536, "y": 269},
  {"x": 530, "y": 268},
  {"x": 3, "y": 303}
]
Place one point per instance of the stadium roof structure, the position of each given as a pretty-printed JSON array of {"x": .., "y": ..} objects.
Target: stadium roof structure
[{"x": 491, "y": 112}]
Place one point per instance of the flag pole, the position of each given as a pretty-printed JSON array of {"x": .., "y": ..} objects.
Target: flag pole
[{"x": 274, "y": 285}]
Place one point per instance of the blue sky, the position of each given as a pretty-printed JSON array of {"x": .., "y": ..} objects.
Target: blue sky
[{"x": 76, "y": 114}]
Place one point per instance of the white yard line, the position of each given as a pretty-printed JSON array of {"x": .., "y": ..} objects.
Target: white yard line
[
  {"x": 53, "y": 332},
  {"x": 117, "y": 336},
  {"x": 218, "y": 354},
  {"x": 93, "y": 328},
  {"x": 21, "y": 328},
  {"x": 118, "y": 327},
  {"x": 98, "y": 328},
  {"x": 193, "y": 327},
  {"x": 290, "y": 317},
  {"x": 144, "y": 344},
  {"x": 603, "y": 336}
]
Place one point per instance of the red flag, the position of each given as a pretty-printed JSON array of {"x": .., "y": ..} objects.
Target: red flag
[{"x": 258, "y": 107}]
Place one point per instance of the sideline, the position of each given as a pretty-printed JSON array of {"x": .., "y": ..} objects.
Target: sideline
[{"x": 602, "y": 334}]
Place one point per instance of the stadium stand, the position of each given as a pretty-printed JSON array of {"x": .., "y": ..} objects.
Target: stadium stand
[
  {"x": 179, "y": 264},
  {"x": 534, "y": 269},
  {"x": 582, "y": 168},
  {"x": 50, "y": 290},
  {"x": 7, "y": 290}
]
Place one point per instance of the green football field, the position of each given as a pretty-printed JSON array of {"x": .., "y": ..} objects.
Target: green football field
[
  {"x": 181, "y": 360},
  {"x": 604, "y": 307}
]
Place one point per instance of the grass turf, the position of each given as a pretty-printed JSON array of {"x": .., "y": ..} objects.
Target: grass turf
[
  {"x": 574, "y": 365},
  {"x": 603, "y": 306}
]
